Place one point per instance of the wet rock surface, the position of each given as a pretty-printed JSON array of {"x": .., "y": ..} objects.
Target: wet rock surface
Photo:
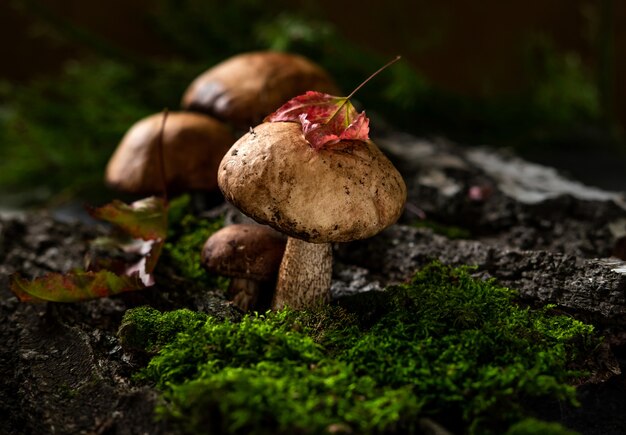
[
  {"x": 502, "y": 199},
  {"x": 62, "y": 369},
  {"x": 595, "y": 288}
]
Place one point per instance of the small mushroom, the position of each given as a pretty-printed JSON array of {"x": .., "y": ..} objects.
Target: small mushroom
[
  {"x": 244, "y": 89},
  {"x": 250, "y": 254},
  {"x": 193, "y": 145},
  {"x": 341, "y": 193}
]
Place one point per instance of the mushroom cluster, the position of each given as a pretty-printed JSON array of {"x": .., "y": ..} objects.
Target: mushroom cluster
[
  {"x": 235, "y": 94},
  {"x": 346, "y": 192},
  {"x": 183, "y": 154}
]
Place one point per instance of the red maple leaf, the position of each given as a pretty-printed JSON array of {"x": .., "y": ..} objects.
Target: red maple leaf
[{"x": 325, "y": 119}]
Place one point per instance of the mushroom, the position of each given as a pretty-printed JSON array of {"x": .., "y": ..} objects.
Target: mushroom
[
  {"x": 243, "y": 89},
  {"x": 193, "y": 145},
  {"x": 250, "y": 254},
  {"x": 341, "y": 193}
]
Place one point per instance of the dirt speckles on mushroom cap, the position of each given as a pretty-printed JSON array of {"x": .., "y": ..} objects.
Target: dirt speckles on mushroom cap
[{"x": 347, "y": 192}]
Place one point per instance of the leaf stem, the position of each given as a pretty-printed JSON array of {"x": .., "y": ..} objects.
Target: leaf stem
[
  {"x": 161, "y": 153},
  {"x": 388, "y": 64}
]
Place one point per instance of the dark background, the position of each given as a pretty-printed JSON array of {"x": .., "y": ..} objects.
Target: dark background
[
  {"x": 542, "y": 77},
  {"x": 466, "y": 47}
]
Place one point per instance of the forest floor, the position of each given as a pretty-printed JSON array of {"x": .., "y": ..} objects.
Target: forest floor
[{"x": 556, "y": 241}]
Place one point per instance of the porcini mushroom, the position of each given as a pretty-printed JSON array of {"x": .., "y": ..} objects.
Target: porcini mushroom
[
  {"x": 250, "y": 254},
  {"x": 242, "y": 90},
  {"x": 345, "y": 192},
  {"x": 193, "y": 145}
]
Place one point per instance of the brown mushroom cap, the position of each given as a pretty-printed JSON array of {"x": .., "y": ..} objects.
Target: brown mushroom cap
[
  {"x": 244, "y": 89},
  {"x": 193, "y": 145},
  {"x": 244, "y": 251},
  {"x": 345, "y": 192}
]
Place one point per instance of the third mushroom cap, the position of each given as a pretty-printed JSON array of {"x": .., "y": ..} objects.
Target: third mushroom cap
[{"x": 193, "y": 145}]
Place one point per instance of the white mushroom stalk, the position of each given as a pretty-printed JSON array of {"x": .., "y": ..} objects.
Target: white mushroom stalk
[{"x": 304, "y": 276}]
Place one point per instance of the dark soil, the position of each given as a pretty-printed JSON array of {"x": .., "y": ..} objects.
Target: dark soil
[{"x": 62, "y": 369}]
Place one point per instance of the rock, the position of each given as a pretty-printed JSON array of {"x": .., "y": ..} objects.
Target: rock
[
  {"x": 530, "y": 183},
  {"x": 64, "y": 386},
  {"x": 505, "y": 200},
  {"x": 349, "y": 280},
  {"x": 591, "y": 287}
]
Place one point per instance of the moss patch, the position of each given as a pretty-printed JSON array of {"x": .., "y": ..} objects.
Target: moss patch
[
  {"x": 531, "y": 426},
  {"x": 445, "y": 345},
  {"x": 186, "y": 236},
  {"x": 449, "y": 231},
  {"x": 68, "y": 126}
]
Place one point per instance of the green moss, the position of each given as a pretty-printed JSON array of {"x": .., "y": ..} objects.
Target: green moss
[
  {"x": 445, "y": 345},
  {"x": 467, "y": 348},
  {"x": 186, "y": 236},
  {"x": 531, "y": 426},
  {"x": 450, "y": 231},
  {"x": 147, "y": 329},
  {"x": 269, "y": 398},
  {"x": 66, "y": 127},
  {"x": 247, "y": 371}
]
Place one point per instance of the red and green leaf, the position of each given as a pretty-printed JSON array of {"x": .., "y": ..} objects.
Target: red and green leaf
[
  {"x": 325, "y": 119},
  {"x": 144, "y": 219},
  {"x": 74, "y": 286}
]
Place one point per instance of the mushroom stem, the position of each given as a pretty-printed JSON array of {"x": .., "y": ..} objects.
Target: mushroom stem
[
  {"x": 244, "y": 292},
  {"x": 304, "y": 275}
]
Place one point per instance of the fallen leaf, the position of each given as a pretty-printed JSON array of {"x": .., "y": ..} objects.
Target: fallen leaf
[
  {"x": 480, "y": 193},
  {"x": 125, "y": 257},
  {"x": 151, "y": 251},
  {"x": 144, "y": 219},
  {"x": 74, "y": 286},
  {"x": 325, "y": 119}
]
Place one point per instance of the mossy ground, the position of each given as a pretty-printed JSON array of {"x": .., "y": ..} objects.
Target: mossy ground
[
  {"x": 445, "y": 346},
  {"x": 186, "y": 236}
]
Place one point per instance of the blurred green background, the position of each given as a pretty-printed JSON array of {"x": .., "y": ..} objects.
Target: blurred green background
[{"x": 542, "y": 77}]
